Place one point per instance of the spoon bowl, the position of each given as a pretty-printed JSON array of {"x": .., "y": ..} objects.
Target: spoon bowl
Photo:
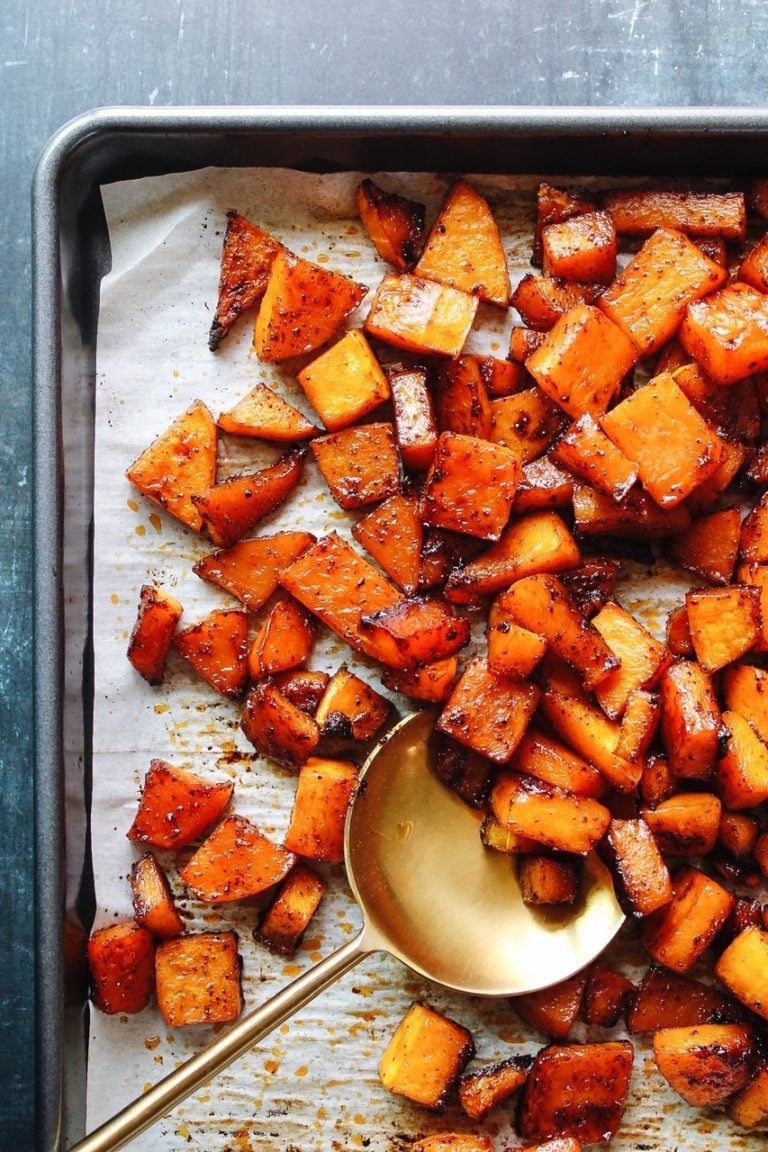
[{"x": 431, "y": 895}]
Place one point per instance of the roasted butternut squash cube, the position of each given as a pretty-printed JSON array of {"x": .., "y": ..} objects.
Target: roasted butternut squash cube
[
  {"x": 177, "y": 806},
  {"x": 667, "y": 999},
  {"x": 554, "y": 205},
  {"x": 304, "y": 687},
  {"x": 323, "y": 795},
  {"x": 425, "y": 1057},
  {"x": 749, "y": 1107},
  {"x": 464, "y": 248},
  {"x": 266, "y": 415},
  {"x": 482, "y": 1089},
  {"x": 284, "y": 640},
  {"x": 757, "y": 576},
  {"x": 742, "y": 770},
  {"x": 235, "y": 861},
  {"x": 528, "y": 423},
  {"x": 727, "y": 333},
  {"x": 577, "y": 1090},
  {"x": 731, "y": 460},
  {"x": 638, "y": 211},
  {"x": 685, "y": 824},
  {"x": 247, "y": 256},
  {"x": 351, "y": 709},
  {"x": 657, "y": 782},
  {"x": 647, "y": 300},
  {"x": 523, "y": 342},
  {"x": 581, "y": 248},
  {"x": 249, "y": 569},
  {"x": 360, "y": 465},
  {"x": 345, "y": 382},
  {"x": 539, "y": 754},
  {"x": 277, "y": 727},
  {"x": 557, "y": 819},
  {"x": 586, "y": 451},
  {"x": 471, "y": 486},
  {"x": 553, "y": 1010},
  {"x": 638, "y": 724},
  {"x": 743, "y": 969},
  {"x": 416, "y": 631},
  {"x": 414, "y": 415},
  {"x": 543, "y": 484},
  {"x": 592, "y": 734},
  {"x": 421, "y": 315},
  {"x": 582, "y": 361},
  {"x": 710, "y": 547},
  {"x": 724, "y": 623},
  {"x": 753, "y": 545},
  {"x": 394, "y": 223},
  {"x": 234, "y": 506},
  {"x": 745, "y": 688},
  {"x": 638, "y": 517},
  {"x": 392, "y": 533},
  {"x": 607, "y": 996},
  {"x": 691, "y": 451},
  {"x": 705, "y": 1063},
  {"x": 639, "y": 865},
  {"x": 501, "y": 377},
  {"x": 488, "y": 713},
  {"x": 198, "y": 979},
  {"x": 536, "y": 542},
  {"x": 179, "y": 464},
  {"x": 690, "y": 720},
  {"x": 733, "y": 410},
  {"x": 513, "y": 651},
  {"x": 289, "y": 914},
  {"x": 548, "y": 880},
  {"x": 153, "y": 906},
  {"x": 680, "y": 932},
  {"x": 432, "y": 683},
  {"x": 678, "y": 633},
  {"x": 303, "y": 306},
  {"x": 152, "y": 634},
  {"x": 542, "y": 300},
  {"x": 121, "y": 960},
  {"x": 462, "y": 769},
  {"x": 737, "y": 834},
  {"x": 754, "y": 267},
  {"x": 460, "y": 398},
  {"x": 217, "y": 648}
]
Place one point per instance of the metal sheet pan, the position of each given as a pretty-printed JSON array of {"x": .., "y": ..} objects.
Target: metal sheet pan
[{"x": 71, "y": 254}]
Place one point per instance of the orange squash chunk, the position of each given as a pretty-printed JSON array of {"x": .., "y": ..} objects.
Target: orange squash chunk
[
  {"x": 501, "y": 377},
  {"x": 593, "y": 582},
  {"x": 152, "y": 634},
  {"x": 576, "y": 1090},
  {"x": 727, "y": 334},
  {"x": 749, "y": 1107},
  {"x": 724, "y": 623},
  {"x": 235, "y": 861},
  {"x": 586, "y": 451},
  {"x": 345, "y": 382},
  {"x": 553, "y": 1010},
  {"x": 732, "y": 410},
  {"x": 250, "y": 568},
  {"x": 198, "y": 979},
  {"x": 302, "y": 308},
  {"x": 232, "y": 507},
  {"x": 703, "y": 497},
  {"x": 351, "y": 709},
  {"x": 178, "y": 464},
  {"x": 541, "y": 301},
  {"x": 539, "y": 754},
  {"x": 648, "y": 299},
  {"x": 667, "y": 999},
  {"x": 482, "y": 1089},
  {"x": 742, "y": 771},
  {"x": 743, "y": 969},
  {"x": 360, "y": 465},
  {"x": 607, "y": 997},
  {"x": 266, "y": 415},
  {"x": 425, "y": 1057},
  {"x": 392, "y": 534},
  {"x": 415, "y": 631},
  {"x": 581, "y": 248},
  {"x": 643, "y": 210},
  {"x": 421, "y": 315},
  {"x": 471, "y": 486},
  {"x": 686, "y": 824},
  {"x": 303, "y": 687},
  {"x": 546, "y": 880},
  {"x": 673, "y": 447},
  {"x": 283, "y": 642},
  {"x": 678, "y": 934},
  {"x": 217, "y": 648},
  {"x": 523, "y": 342},
  {"x": 553, "y": 205},
  {"x": 415, "y": 426},
  {"x": 121, "y": 959},
  {"x": 582, "y": 362},
  {"x": 463, "y": 770},
  {"x": 690, "y": 720},
  {"x": 642, "y": 658},
  {"x": 394, "y": 223},
  {"x": 543, "y": 812},
  {"x": 247, "y": 256},
  {"x": 432, "y": 683},
  {"x": 705, "y": 1063},
  {"x": 639, "y": 866},
  {"x": 753, "y": 545},
  {"x": 288, "y": 916},
  {"x": 513, "y": 651},
  {"x": 639, "y": 723},
  {"x": 710, "y": 547},
  {"x": 754, "y": 267},
  {"x": 276, "y": 725},
  {"x": 153, "y": 906},
  {"x": 488, "y": 713},
  {"x": 460, "y": 398},
  {"x": 527, "y": 422},
  {"x": 177, "y": 806},
  {"x": 745, "y": 689},
  {"x": 637, "y": 517},
  {"x": 323, "y": 795},
  {"x": 587, "y": 729},
  {"x": 464, "y": 248}
]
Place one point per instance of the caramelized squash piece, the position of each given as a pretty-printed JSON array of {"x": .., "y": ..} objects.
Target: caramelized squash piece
[
  {"x": 234, "y": 506},
  {"x": 289, "y": 914},
  {"x": 345, "y": 382},
  {"x": 360, "y": 465},
  {"x": 247, "y": 256},
  {"x": 690, "y": 720},
  {"x": 463, "y": 770},
  {"x": 724, "y": 623},
  {"x": 513, "y": 651},
  {"x": 250, "y": 569},
  {"x": 425, "y": 1057},
  {"x": 501, "y": 377},
  {"x": 638, "y": 211},
  {"x": 421, "y": 315},
  {"x": 432, "y": 683},
  {"x": 745, "y": 688},
  {"x": 639, "y": 866},
  {"x": 179, "y": 464},
  {"x": 198, "y": 979},
  {"x": 415, "y": 631},
  {"x": 543, "y": 484},
  {"x": 471, "y": 486},
  {"x": 323, "y": 795},
  {"x": 277, "y": 727},
  {"x": 706, "y": 1063},
  {"x": 581, "y": 248},
  {"x": 539, "y": 754},
  {"x": 607, "y": 996},
  {"x": 303, "y": 306},
  {"x": 284, "y": 640},
  {"x": 548, "y": 880},
  {"x": 749, "y": 1107},
  {"x": 464, "y": 248},
  {"x": 553, "y": 1010},
  {"x": 177, "y": 806},
  {"x": 152, "y": 634},
  {"x": 753, "y": 545},
  {"x": 686, "y": 824},
  {"x": 351, "y": 709},
  {"x": 754, "y": 267},
  {"x": 266, "y": 415},
  {"x": 710, "y": 547},
  {"x": 638, "y": 724},
  {"x": 592, "y": 734},
  {"x": 553, "y": 205},
  {"x": 394, "y": 223},
  {"x": 727, "y": 333},
  {"x": 153, "y": 906},
  {"x": 743, "y": 969},
  {"x": 121, "y": 961},
  {"x": 641, "y": 657},
  {"x": 488, "y": 713},
  {"x": 586, "y": 451},
  {"x": 217, "y": 649},
  {"x": 680, "y": 932},
  {"x": 304, "y": 688},
  {"x": 482, "y": 1089},
  {"x": 757, "y": 576},
  {"x": 742, "y": 770},
  {"x": 523, "y": 342},
  {"x": 638, "y": 517},
  {"x": 235, "y": 861},
  {"x": 557, "y": 819},
  {"x": 667, "y": 999},
  {"x": 576, "y": 1090},
  {"x": 460, "y": 398},
  {"x": 415, "y": 426},
  {"x": 542, "y": 300},
  {"x": 733, "y": 410},
  {"x": 528, "y": 423},
  {"x": 392, "y": 533}
]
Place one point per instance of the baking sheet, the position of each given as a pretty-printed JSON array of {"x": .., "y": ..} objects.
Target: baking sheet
[{"x": 312, "y": 1085}]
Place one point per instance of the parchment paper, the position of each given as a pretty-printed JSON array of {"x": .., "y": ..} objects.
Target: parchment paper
[{"x": 313, "y": 1085}]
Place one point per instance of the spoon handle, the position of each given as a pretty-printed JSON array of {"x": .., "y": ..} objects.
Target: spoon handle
[{"x": 193, "y": 1073}]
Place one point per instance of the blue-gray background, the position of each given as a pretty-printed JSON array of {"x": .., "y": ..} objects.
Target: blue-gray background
[{"x": 59, "y": 58}]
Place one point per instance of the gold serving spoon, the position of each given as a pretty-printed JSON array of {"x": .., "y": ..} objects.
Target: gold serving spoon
[{"x": 430, "y": 894}]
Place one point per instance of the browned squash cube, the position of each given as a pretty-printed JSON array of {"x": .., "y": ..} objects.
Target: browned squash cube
[
  {"x": 554, "y": 205},
  {"x": 121, "y": 961},
  {"x": 416, "y": 631},
  {"x": 415, "y": 426},
  {"x": 683, "y": 929},
  {"x": 639, "y": 866},
  {"x": 288, "y": 916},
  {"x": 432, "y": 683},
  {"x": 179, "y": 464},
  {"x": 607, "y": 996},
  {"x": 737, "y": 834},
  {"x": 757, "y": 575},
  {"x": 234, "y": 506},
  {"x": 686, "y": 824},
  {"x": 266, "y": 415},
  {"x": 749, "y": 1107},
  {"x": 754, "y": 267},
  {"x": 577, "y": 1090},
  {"x": 690, "y": 720},
  {"x": 639, "y": 211},
  {"x": 345, "y": 382},
  {"x": 528, "y": 423},
  {"x": 554, "y": 1010},
  {"x": 360, "y": 465},
  {"x": 392, "y": 533},
  {"x": 642, "y": 658},
  {"x": 304, "y": 688},
  {"x": 543, "y": 484},
  {"x": 513, "y": 651},
  {"x": 556, "y": 819},
  {"x": 394, "y": 223},
  {"x": 249, "y": 570},
  {"x": 745, "y": 688},
  {"x": 667, "y": 999},
  {"x": 539, "y": 754},
  {"x": 425, "y": 1057},
  {"x": 742, "y": 771},
  {"x": 284, "y": 640},
  {"x": 585, "y": 450},
  {"x": 421, "y": 315},
  {"x": 638, "y": 517},
  {"x": 727, "y": 333},
  {"x": 198, "y": 979},
  {"x": 706, "y": 1063},
  {"x": 710, "y": 547},
  {"x": 153, "y": 906},
  {"x": 177, "y": 806},
  {"x": 460, "y": 398},
  {"x": 638, "y": 724},
  {"x": 217, "y": 648},
  {"x": 501, "y": 377},
  {"x": 488, "y": 713},
  {"x": 541, "y": 301},
  {"x": 152, "y": 634},
  {"x": 581, "y": 248},
  {"x": 743, "y": 969},
  {"x": 277, "y": 727},
  {"x": 724, "y": 623},
  {"x": 351, "y": 709},
  {"x": 235, "y": 861},
  {"x": 471, "y": 486},
  {"x": 591, "y": 733},
  {"x": 548, "y": 880},
  {"x": 523, "y": 342},
  {"x": 323, "y": 795},
  {"x": 482, "y": 1089},
  {"x": 247, "y": 256}
]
